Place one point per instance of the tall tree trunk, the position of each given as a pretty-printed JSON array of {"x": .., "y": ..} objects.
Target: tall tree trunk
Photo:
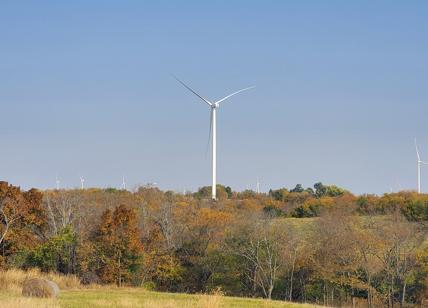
[
  {"x": 120, "y": 278},
  {"x": 403, "y": 295},
  {"x": 290, "y": 297},
  {"x": 254, "y": 282},
  {"x": 270, "y": 291},
  {"x": 369, "y": 292},
  {"x": 392, "y": 291},
  {"x": 389, "y": 297},
  {"x": 324, "y": 295}
]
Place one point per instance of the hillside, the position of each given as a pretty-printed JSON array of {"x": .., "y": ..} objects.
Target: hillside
[
  {"x": 324, "y": 246},
  {"x": 136, "y": 297}
]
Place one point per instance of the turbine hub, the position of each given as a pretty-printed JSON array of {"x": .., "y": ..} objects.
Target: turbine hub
[{"x": 215, "y": 105}]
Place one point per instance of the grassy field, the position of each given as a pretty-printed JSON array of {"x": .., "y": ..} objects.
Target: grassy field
[
  {"x": 73, "y": 294},
  {"x": 135, "y": 297}
]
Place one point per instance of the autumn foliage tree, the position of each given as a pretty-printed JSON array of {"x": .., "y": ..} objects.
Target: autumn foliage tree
[
  {"x": 21, "y": 217},
  {"x": 322, "y": 244},
  {"x": 117, "y": 240}
]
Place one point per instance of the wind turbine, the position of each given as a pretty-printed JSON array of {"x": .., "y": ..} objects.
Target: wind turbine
[
  {"x": 123, "y": 183},
  {"x": 420, "y": 163},
  {"x": 82, "y": 182},
  {"x": 258, "y": 186},
  {"x": 57, "y": 182},
  {"x": 213, "y": 130}
]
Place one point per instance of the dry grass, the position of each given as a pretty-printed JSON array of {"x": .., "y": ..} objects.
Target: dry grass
[
  {"x": 75, "y": 295},
  {"x": 12, "y": 280},
  {"x": 136, "y": 297},
  {"x": 19, "y": 302},
  {"x": 213, "y": 300},
  {"x": 210, "y": 301}
]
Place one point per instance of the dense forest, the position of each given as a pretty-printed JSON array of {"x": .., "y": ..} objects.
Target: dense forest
[{"x": 323, "y": 244}]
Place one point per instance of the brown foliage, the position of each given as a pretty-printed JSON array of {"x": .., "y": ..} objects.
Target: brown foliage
[
  {"x": 21, "y": 215},
  {"x": 118, "y": 244}
]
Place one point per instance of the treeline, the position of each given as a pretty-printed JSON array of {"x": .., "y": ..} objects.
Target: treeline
[{"x": 321, "y": 244}]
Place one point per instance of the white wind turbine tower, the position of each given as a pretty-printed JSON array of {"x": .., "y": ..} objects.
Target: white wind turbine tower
[
  {"x": 123, "y": 183},
  {"x": 258, "y": 186},
  {"x": 420, "y": 163},
  {"x": 82, "y": 182},
  {"x": 213, "y": 130},
  {"x": 57, "y": 182}
]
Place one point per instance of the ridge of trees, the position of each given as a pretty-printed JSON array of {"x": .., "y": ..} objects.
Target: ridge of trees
[{"x": 321, "y": 244}]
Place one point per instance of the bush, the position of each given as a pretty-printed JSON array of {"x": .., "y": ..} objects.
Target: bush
[{"x": 90, "y": 278}]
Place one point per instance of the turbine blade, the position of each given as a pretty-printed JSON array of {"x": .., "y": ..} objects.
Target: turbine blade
[
  {"x": 209, "y": 133},
  {"x": 191, "y": 90},
  {"x": 234, "y": 93},
  {"x": 417, "y": 150}
]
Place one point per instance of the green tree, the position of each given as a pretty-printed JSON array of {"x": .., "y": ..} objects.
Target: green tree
[
  {"x": 298, "y": 189},
  {"x": 223, "y": 192},
  {"x": 328, "y": 190},
  {"x": 57, "y": 254},
  {"x": 279, "y": 194}
]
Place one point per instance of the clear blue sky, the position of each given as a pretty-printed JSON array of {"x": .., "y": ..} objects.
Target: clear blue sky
[{"x": 86, "y": 89}]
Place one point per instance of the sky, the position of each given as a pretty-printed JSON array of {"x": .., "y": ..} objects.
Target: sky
[{"x": 341, "y": 93}]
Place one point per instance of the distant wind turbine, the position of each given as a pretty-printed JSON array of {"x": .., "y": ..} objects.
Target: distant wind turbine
[
  {"x": 258, "y": 186},
  {"x": 123, "y": 183},
  {"x": 213, "y": 130},
  {"x": 151, "y": 184},
  {"x": 400, "y": 188},
  {"x": 82, "y": 182},
  {"x": 57, "y": 182},
  {"x": 420, "y": 163}
]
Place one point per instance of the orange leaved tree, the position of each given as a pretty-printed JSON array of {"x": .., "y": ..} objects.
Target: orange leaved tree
[
  {"x": 119, "y": 247},
  {"x": 19, "y": 209}
]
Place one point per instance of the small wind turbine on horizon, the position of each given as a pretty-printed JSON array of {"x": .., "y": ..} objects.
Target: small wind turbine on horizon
[
  {"x": 400, "y": 188},
  {"x": 420, "y": 163},
  {"x": 123, "y": 183},
  {"x": 82, "y": 183},
  {"x": 213, "y": 130},
  {"x": 258, "y": 186},
  {"x": 57, "y": 181}
]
